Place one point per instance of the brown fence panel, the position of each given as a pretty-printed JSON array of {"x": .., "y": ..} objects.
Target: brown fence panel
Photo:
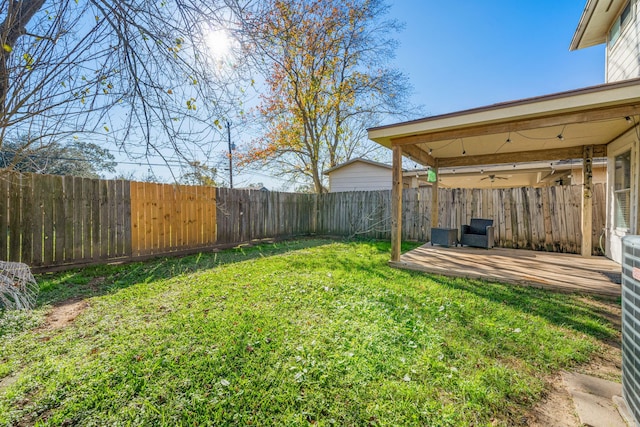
[
  {"x": 4, "y": 217},
  {"x": 165, "y": 218},
  {"x": 367, "y": 214},
  {"x": 246, "y": 214},
  {"x": 52, "y": 220},
  {"x": 15, "y": 217},
  {"x": 547, "y": 218}
]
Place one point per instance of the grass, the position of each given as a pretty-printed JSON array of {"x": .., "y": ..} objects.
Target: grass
[{"x": 306, "y": 332}]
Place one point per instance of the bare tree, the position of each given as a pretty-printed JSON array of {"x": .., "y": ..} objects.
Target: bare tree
[{"x": 126, "y": 73}]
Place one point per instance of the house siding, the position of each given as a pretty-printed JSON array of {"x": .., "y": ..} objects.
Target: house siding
[
  {"x": 360, "y": 176},
  {"x": 626, "y": 142},
  {"x": 623, "y": 55}
]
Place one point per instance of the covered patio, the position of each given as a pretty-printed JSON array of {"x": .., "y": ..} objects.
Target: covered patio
[
  {"x": 579, "y": 125},
  {"x": 545, "y": 270}
]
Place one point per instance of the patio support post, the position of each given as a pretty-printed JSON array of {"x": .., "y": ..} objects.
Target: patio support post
[
  {"x": 587, "y": 201},
  {"x": 396, "y": 203},
  {"x": 434, "y": 200}
]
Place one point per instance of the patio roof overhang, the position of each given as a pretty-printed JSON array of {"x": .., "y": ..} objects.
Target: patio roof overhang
[
  {"x": 551, "y": 127},
  {"x": 577, "y": 124}
]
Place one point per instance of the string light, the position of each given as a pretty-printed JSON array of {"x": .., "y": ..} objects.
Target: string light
[{"x": 570, "y": 176}]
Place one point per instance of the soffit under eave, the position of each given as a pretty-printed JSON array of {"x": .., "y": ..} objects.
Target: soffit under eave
[
  {"x": 584, "y": 99},
  {"x": 595, "y": 22},
  {"x": 523, "y": 147},
  {"x": 555, "y": 123}
]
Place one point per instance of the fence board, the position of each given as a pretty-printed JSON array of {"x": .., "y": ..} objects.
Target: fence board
[
  {"x": 29, "y": 223},
  {"x": 37, "y": 217},
  {"x": 574, "y": 221},
  {"x": 47, "y": 204},
  {"x": 85, "y": 215},
  {"x": 15, "y": 217},
  {"x": 94, "y": 203},
  {"x": 4, "y": 216}
]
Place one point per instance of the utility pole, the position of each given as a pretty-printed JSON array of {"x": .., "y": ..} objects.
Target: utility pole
[{"x": 230, "y": 154}]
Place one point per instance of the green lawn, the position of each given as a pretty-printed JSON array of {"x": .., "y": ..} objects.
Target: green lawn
[{"x": 311, "y": 332}]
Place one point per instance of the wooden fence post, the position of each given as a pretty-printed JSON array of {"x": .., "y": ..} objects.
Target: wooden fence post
[
  {"x": 587, "y": 201},
  {"x": 396, "y": 204}
]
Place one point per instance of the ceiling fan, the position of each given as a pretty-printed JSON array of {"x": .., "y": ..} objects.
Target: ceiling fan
[{"x": 492, "y": 177}]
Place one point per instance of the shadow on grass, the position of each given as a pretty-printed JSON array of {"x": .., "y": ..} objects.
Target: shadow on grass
[
  {"x": 582, "y": 314},
  {"x": 99, "y": 280}
]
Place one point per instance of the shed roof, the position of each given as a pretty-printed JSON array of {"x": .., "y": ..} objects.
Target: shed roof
[{"x": 356, "y": 160}]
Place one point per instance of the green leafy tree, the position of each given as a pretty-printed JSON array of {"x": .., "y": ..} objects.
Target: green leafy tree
[
  {"x": 199, "y": 174},
  {"x": 78, "y": 158},
  {"x": 325, "y": 64}
]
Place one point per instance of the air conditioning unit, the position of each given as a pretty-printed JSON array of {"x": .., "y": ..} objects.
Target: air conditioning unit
[{"x": 631, "y": 324}]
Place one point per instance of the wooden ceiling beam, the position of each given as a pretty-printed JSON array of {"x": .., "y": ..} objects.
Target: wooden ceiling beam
[
  {"x": 521, "y": 157},
  {"x": 418, "y": 155},
  {"x": 517, "y": 125}
]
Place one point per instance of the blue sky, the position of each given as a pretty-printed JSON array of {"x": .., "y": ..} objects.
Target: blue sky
[{"x": 470, "y": 53}]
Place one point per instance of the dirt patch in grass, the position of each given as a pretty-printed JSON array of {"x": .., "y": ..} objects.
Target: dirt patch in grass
[
  {"x": 7, "y": 381},
  {"x": 63, "y": 313},
  {"x": 557, "y": 408}
]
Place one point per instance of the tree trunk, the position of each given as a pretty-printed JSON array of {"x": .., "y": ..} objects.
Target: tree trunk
[{"x": 19, "y": 14}]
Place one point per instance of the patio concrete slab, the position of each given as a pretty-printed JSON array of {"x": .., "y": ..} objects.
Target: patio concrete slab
[
  {"x": 594, "y": 400},
  {"x": 547, "y": 270}
]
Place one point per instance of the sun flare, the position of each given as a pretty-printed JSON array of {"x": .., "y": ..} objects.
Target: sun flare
[{"x": 219, "y": 43}]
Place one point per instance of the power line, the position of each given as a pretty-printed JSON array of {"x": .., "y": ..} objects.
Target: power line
[{"x": 74, "y": 159}]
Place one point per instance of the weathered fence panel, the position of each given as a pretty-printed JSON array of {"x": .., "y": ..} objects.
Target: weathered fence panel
[
  {"x": 245, "y": 215},
  {"x": 52, "y": 220},
  {"x": 547, "y": 218}
]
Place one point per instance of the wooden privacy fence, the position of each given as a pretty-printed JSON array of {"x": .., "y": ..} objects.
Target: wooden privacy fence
[
  {"x": 53, "y": 220},
  {"x": 48, "y": 221},
  {"x": 547, "y": 218}
]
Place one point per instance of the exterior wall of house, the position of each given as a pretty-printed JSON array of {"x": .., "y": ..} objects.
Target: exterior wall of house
[
  {"x": 626, "y": 143},
  {"x": 623, "y": 54},
  {"x": 360, "y": 176}
]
